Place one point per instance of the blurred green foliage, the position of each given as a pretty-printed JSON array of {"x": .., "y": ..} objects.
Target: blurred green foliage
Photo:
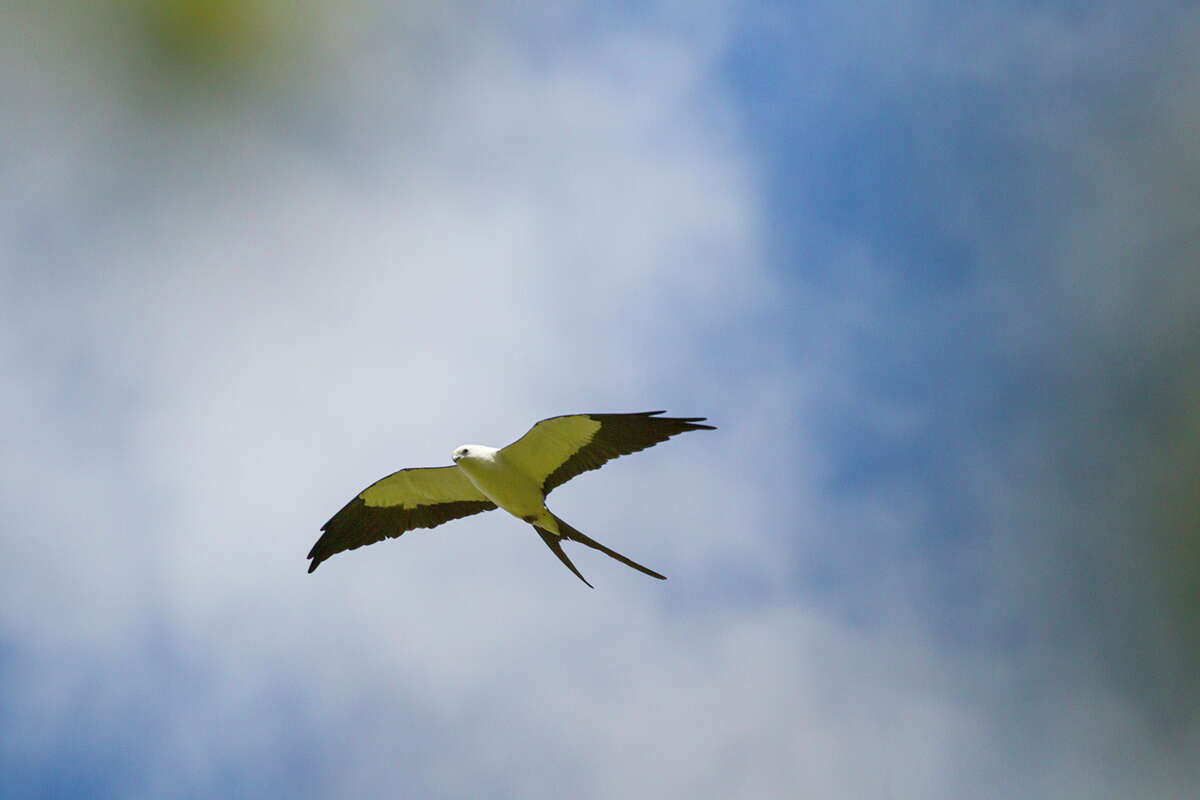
[
  {"x": 206, "y": 32},
  {"x": 184, "y": 42}
]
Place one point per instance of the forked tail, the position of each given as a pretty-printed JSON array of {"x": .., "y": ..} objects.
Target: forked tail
[{"x": 555, "y": 544}]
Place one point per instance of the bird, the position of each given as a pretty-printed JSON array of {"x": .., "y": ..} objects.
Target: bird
[{"x": 516, "y": 478}]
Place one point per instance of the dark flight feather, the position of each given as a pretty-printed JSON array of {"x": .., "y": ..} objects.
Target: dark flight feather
[
  {"x": 359, "y": 524},
  {"x": 619, "y": 435}
]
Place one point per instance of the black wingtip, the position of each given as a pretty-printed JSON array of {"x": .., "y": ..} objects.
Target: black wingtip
[
  {"x": 312, "y": 554},
  {"x": 687, "y": 423}
]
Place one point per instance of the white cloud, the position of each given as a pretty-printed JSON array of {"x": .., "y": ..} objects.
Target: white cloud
[{"x": 279, "y": 331}]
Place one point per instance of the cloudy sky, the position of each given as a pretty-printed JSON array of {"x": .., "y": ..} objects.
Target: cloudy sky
[{"x": 930, "y": 267}]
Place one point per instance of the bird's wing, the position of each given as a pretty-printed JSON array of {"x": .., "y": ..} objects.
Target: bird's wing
[
  {"x": 411, "y": 498},
  {"x": 559, "y": 448}
]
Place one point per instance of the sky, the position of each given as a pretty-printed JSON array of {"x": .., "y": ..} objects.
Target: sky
[{"x": 929, "y": 267}]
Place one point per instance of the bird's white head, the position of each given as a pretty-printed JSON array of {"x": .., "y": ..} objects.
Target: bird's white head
[{"x": 472, "y": 452}]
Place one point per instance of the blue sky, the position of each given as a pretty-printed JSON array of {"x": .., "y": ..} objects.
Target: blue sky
[{"x": 928, "y": 266}]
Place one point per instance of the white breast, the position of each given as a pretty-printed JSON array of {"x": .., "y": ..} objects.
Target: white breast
[{"x": 504, "y": 484}]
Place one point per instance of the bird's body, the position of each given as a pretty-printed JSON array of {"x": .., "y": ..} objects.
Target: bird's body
[
  {"x": 505, "y": 485},
  {"x": 516, "y": 478}
]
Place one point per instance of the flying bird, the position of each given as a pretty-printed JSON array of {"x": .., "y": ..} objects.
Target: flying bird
[{"x": 516, "y": 478}]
